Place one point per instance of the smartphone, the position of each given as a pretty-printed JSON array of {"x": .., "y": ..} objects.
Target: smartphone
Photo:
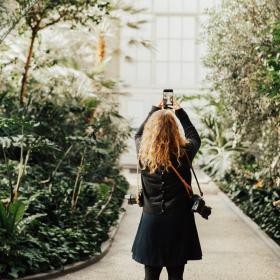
[{"x": 167, "y": 98}]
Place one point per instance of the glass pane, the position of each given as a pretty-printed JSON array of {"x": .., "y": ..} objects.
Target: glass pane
[
  {"x": 162, "y": 27},
  {"x": 128, "y": 50},
  {"x": 162, "y": 50},
  {"x": 189, "y": 27},
  {"x": 145, "y": 31},
  {"x": 175, "y": 27},
  {"x": 128, "y": 72},
  {"x": 175, "y": 50},
  {"x": 175, "y": 5},
  {"x": 191, "y": 6},
  {"x": 175, "y": 72},
  {"x": 143, "y": 54},
  {"x": 128, "y": 32},
  {"x": 189, "y": 50},
  {"x": 135, "y": 109},
  {"x": 188, "y": 75},
  {"x": 160, "y": 5},
  {"x": 144, "y": 72},
  {"x": 161, "y": 72}
]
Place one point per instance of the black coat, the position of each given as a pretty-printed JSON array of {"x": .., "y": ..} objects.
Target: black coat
[
  {"x": 167, "y": 233},
  {"x": 163, "y": 191}
]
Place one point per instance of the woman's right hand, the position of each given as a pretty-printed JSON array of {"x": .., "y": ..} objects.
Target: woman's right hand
[{"x": 176, "y": 105}]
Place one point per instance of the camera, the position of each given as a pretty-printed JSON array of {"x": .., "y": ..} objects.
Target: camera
[
  {"x": 200, "y": 207},
  {"x": 135, "y": 199},
  {"x": 167, "y": 98},
  {"x": 131, "y": 199}
]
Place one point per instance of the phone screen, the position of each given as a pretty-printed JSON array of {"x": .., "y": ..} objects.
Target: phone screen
[{"x": 168, "y": 98}]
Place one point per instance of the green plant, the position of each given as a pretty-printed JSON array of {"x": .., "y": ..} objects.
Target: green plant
[
  {"x": 243, "y": 42},
  {"x": 13, "y": 226},
  {"x": 219, "y": 150},
  {"x": 12, "y": 219},
  {"x": 243, "y": 61},
  {"x": 254, "y": 194},
  {"x": 80, "y": 199},
  {"x": 25, "y": 142},
  {"x": 73, "y": 175}
]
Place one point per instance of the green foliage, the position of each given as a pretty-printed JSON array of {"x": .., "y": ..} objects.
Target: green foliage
[
  {"x": 77, "y": 128},
  {"x": 243, "y": 61},
  {"x": 269, "y": 52},
  {"x": 53, "y": 11},
  {"x": 255, "y": 197},
  {"x": 12, "y": 226},
  {"x": 219, "y": 149},
  {"x": 242, "y": 53},
  {"x": 60, "y": 148}
]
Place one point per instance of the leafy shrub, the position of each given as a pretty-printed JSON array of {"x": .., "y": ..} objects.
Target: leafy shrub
[
  {"x": 243, "y": 59},
  {"x": 74, "y": 187},
  {"x": 255, "y": 198}
]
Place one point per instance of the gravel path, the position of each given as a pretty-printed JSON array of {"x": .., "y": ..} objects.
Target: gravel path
[{"x": 231, "y": 248}]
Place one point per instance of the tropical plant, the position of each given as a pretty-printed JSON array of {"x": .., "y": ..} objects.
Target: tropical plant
[
  {"x": 77, "y": 183},
  {"x": 11, "y": 139},
  {"x": 43, "y": 14},
  {"x": 218, "y": 148},
  {"x": 242, "y": 52},
  {"x": 243, "y": 61},
  {"x": 12, "y": 219}
]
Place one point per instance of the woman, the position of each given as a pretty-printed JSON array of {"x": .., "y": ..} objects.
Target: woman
[{"x": 167, "y": 234}]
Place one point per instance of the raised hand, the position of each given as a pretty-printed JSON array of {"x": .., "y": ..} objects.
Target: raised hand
[
  {"x": 160, "y": 105},
  {"x": 176, "y": 105}
]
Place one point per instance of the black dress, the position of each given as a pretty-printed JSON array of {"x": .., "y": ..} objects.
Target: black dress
[
  {"x": 170, "y": 238},
  {"x": 166, "y": 240}
]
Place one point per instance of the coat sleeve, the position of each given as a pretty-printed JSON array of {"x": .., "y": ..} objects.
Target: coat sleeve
[
  {"x": 139, "y": 132},
  {"x": 190, "y": 133}
]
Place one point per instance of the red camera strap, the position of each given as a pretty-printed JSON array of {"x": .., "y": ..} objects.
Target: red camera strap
[{"x": 187, "y": 186}]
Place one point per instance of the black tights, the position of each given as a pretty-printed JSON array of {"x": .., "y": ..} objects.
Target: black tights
[{"x": 174, "y": 272}]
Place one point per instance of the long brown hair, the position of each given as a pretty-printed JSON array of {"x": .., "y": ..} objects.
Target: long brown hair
[{"x": 163, "y": 136}]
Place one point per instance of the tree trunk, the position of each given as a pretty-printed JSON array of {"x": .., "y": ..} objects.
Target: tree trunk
[{"x": 26, "y": 67}]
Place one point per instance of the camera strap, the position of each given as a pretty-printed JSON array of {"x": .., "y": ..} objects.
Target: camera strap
[
  {"x": 190, "y": 164},
  {"x": 187, "y": 186},
  {"x": 138, "y": 186}
]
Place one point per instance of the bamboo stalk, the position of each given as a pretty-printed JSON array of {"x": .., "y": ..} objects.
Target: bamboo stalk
[
  {"x": 57, "y": 166},
  {"x": 9, "y": 174},
  {"x": 104, "y": 206},
  {"x": 77, "y": 189}
]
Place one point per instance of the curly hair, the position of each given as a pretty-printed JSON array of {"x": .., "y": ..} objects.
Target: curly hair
[{"x": 163, "y": 136}]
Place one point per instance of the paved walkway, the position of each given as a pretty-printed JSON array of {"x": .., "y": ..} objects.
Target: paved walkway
[{"x": 232, "y": 250}]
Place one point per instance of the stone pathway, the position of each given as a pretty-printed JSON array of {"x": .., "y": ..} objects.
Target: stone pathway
[{"x": 232, "y": 250}]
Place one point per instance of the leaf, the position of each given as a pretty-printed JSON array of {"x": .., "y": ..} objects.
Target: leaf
[
  {"x": 16, "y": 211},
  {"x": 3, "y": 215},
  {"x": 23, "y": 223}
]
